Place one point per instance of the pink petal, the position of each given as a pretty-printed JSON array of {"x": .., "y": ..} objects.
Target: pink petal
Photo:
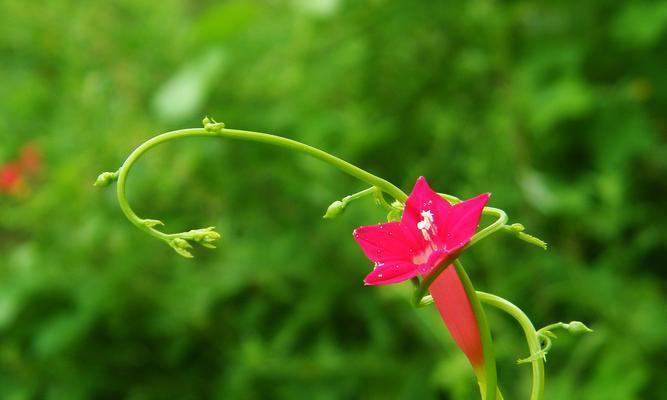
[
  {"x": 463, "y": 221},
  {"x": 456, "y": 311},
  {"x": 384, "y": 243},
  {"x": 385, "y": 274},
  {"x": 424, "y": 199}
]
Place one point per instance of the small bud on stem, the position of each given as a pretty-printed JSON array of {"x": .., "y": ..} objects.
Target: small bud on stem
[
  {"x": 335, "y": 209},
  {"x": 105, "y": 179}
]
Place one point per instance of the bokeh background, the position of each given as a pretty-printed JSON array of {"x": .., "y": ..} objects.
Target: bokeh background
[{"x": 558, "y": 109}]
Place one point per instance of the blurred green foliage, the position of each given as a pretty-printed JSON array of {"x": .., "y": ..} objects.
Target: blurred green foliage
[{"x": 556, "y": 108}]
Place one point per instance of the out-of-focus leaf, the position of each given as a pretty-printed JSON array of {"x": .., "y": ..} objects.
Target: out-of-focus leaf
[
  {"x": 183, "y": 95},
  {"x": 223, "y": 20},
  {"x": 641, "y": 23}
]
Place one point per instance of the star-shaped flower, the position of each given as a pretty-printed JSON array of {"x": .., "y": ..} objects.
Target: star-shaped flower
[{"x": 431, "y": 232}]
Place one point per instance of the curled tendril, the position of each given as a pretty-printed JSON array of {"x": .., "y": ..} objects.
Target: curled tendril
[{"x": 545, "y": 336}]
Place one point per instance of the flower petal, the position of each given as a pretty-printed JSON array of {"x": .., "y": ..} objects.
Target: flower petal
[
  {"x": 456, "y": 311},
  {"x": 385, "y": 274},
  {"x": 463, "y": 221},
  {"x": 423, "y": 200},
  {"x": 384, "y": 243}
]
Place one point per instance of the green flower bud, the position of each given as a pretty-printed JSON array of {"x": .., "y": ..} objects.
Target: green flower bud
[
  {"x": 106, "y": 178},
  {"x": 204, "y": 236},
  {"x": 517, "y": 227},
  {"x": 211, "y": 236},
  {"x": 576, "y": 327},
  {"x": 335, "y": 209},
  {"x": 210, "y": 125},
  {"x": 181, "y": 246}
]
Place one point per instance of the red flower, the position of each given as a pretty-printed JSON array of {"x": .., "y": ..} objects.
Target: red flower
[
  {"x": 431, "y": 232},
  {"x": 10, "y": 177}
]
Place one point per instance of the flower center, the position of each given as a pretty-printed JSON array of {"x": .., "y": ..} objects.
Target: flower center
[{"x": 426, "y": 225}]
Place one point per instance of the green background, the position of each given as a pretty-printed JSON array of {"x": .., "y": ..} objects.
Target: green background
[{"x": 557, "y": 108}]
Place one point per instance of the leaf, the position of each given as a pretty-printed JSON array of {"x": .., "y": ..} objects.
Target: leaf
[{"x": 183, "y": 95}]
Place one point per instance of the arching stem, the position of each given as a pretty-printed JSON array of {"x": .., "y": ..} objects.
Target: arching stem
[
  {"x": 216, "y": 131},
  {"x": 537, "y": 362},
  {"x": 206, "y": 236}
]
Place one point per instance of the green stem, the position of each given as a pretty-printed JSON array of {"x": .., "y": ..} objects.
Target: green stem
[
  {"x": 537, "y": 391},
  {"x": 490, "y": 378},
  {"x": 379, "y": 198},
  {"x": 343, "y": 165},
  {"x": 359, "y": 195}
]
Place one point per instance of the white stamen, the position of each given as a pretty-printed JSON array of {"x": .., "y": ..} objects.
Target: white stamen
[{"x": 426, "y": 224}]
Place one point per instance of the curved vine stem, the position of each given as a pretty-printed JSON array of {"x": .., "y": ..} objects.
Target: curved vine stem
[
  {"x": 537, "y": 361},
  {"x": 206, "y": 235}
]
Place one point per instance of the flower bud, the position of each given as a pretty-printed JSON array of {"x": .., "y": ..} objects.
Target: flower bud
[
  {"x": 335, "y": 209},
  {"x": 576, "y": 327},
  {"x": 517, "y": 227},
  {"x": 181, "y": 246},
  {"x": 211, "y": 125},
  {"x": 210, "y": 236},
  {"x": 105, "y": 179},
  {"x": 204, "y": 236}
]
